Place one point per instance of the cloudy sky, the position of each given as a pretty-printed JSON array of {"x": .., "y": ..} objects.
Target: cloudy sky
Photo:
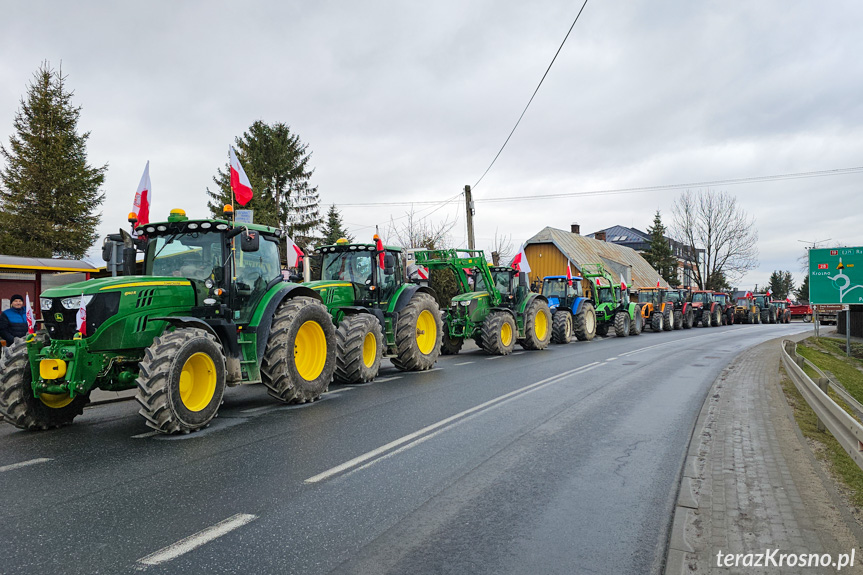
[{"x": 410, "y": 101}]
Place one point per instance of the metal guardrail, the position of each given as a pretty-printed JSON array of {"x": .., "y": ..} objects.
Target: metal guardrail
[
  {"x": 847, "y": 430},
  {"x": 837, "y": 387}
]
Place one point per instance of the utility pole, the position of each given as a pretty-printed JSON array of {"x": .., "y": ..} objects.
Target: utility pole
[{"x": 468, "y": 203}]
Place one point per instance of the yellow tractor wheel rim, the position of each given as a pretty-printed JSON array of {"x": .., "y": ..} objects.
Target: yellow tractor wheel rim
[
  {"x": 370, "y": 349},
  {"x": 426, "y": 332},
  {"x": 540, "y": 325},
  {"x": 198, "y": 381},
  {"x": 55, "y": 400},
  {"x": 310, "y": 350},
  {"x": 506, "y": 334}
]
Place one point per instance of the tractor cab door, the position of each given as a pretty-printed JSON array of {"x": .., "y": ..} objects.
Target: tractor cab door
[
  {"x": 255, "y": 271},
  {"x": 387, "y": 279}
]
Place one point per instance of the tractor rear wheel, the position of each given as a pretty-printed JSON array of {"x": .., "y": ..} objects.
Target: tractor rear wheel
[
  {"x": 716, "y": 321},
  {"x": 300, "y": 356},
  {"x": 636, "y": 323},
  {"x": 584, "y": 324},
  {"x": 668, "y": 318},
  {"x": 418, "y": 334},
  {"x": 537, "y": 325},
  {"x": 181, "y": 381},
  {"x": 765, "y": 316},
  {"x": 807, "y": 318},
  {"x": 678, "y": 319},
  {"x": 561, "y": 326},
  {"x": 20, "y": 407},
  {"x": 621, "y": 324},
  {"x": 688, "y": 319},
  {"x": 772, "y": 315},
  {"x": 450, "y": 345},
  {"x": 359, "y": 345},
  {"x": 657, "y": 321},
  {"x": 705, "y": 318},
  {"x": 729, "y": 317},
  {"x": 498, "y": 333}
]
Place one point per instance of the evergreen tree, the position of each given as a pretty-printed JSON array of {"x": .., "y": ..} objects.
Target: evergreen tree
[
  {"x": 781, "y": 284},
  {"x": 659, "y": 254},
  {"x": 802, "y": 293},
  {"x": 277, "y": 163},
  {"x": 334, "y": 228},
  {"x": 48, "y": 193}
]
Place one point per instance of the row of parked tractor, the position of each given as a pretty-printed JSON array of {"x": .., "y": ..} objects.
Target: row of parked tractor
[{"x": 211, "y": 308}]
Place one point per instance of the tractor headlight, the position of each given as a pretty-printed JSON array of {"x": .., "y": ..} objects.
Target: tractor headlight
[
  {"x": 209, "y": 283},
  {"x": 45, "y": 303},
  {"x": 75, "y": 302}
]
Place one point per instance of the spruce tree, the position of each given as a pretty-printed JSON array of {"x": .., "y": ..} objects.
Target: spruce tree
[
  {"x": 334, "y": 229},
  {"x": 277, "y": 164},
  {"x": 802, "y": 293},
  {"x": 48, "y": 193},
  {"x": 659, "y": 254},
  {"x": 781, "y": 284}
]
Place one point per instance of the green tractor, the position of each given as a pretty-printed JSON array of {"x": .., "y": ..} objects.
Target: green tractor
[
  {"x": 210, "y": 310},
  {"x": 611, "y": 301},
  {"x": 376, "y": 309},
  {"x": 492, "y": 307},
  {"x": 571, "y": 312}
]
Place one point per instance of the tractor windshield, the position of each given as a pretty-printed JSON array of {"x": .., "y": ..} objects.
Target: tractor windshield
[
  {"x": 674, "y": 296},
  {"x": 554, "y": 287},
  {"x": 604, "y": 294},
  {"x": 350, "y": 266},
  {"x": 760, "y": 301},
  {"x": 502, "y": 281},
  {"x": 720, "y": 298},
  {"x": 743, "y": 302},
  {"x": 193, "y": 255},
  {"x": 649, "y": 296},
  {"x": 700, "y": 297},
  {"x": 780, "y": 304}
]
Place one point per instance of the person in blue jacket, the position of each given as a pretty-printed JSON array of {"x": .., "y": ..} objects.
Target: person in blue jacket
[{"x": 13, "y": 321}]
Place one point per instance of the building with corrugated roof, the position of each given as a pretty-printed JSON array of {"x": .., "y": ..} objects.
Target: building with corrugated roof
[
  {"x": 548, "y": 252},
  {"x": 31, "y": 276}
]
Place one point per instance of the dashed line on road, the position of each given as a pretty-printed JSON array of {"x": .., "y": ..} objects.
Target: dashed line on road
[
  {"x": 464, "y": 363},
  {"x": 494, "y": 357},
  {"x": 14, "y": 466},
  {"x": 386, "y": 379},
  {"x": 192, "y": 542}
]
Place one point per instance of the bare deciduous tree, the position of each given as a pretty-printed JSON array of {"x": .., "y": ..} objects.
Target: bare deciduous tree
[
  {"x": 503, "y": 247},
  {"x": 713, "y": 222},
  {"x": 420, "y": 232}
]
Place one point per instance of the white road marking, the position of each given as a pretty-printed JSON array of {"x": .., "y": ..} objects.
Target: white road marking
[
  {"x": 332, "y": 391},
  {"x": 257, "y": 409},
  {"x": 143, "y": 435},
  {"x": 13, "y": 466},
  {"x": 386, "y": 379},
  {"x": 427, "y": 370},
  {"x": 611, "y": 359},
  {"x": 411, "y": 439},
  {"x": 194, "y": 541},
  {"x": 494, "y": 357},
  {"x": 464, "y": 363}
]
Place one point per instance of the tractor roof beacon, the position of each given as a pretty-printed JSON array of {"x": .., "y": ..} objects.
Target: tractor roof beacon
[
  {"x": 376, "y": 310},
  {"x": 493, "y": 306},
  {"x": 210, "y": 310}
]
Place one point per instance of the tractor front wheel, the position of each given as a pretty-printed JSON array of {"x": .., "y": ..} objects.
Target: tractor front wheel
[
  {"x": 181, "y": 381},
  {"x": 418, "y": 334},
  {"x": 561, "y": 327},
  {"x": 359, "y": 341},
  {"x": 657, "y": 321},
  {"x": 602, "y": 329},
  {"x": 498, "y": 333},
  {"x": 637, "y": 323},
  {"x": 537, "y": 325},
  {"x": 621, "y": 324},
  {"x": 705, "y": 318},
  {"x": 450, "y": 345},
  {"x": 717, "y": 318},
  {"x": 20, "y": 407},
  {"x": 584, "y": 324},
  {"x": 678, "y": 319},
  {"x": 300, "y": 357},
  {"x": 688, "y": 319},
  {"x": 668, "y": 318}
]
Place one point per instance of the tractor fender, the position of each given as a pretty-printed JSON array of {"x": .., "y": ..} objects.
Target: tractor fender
[
  {"x": 408, "y": 293},
  {"x": 507, "y": 310},
  {"x": 577, "y": 304},
  {"x": 685, "y": 307},
  {"x": 223, "y": 330},
  {"x": 283, "y": 292},
  {"x": 530, "y": 299}
]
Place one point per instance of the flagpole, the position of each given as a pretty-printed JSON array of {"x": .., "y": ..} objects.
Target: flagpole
[{"x": 233, "y": 225}]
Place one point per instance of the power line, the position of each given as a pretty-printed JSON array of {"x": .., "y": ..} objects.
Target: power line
[{"x": 532, "y": 96}]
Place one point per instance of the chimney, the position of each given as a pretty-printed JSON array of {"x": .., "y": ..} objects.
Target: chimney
[
  {"x": 599, "y": 236},
  {"x": 575, "y": 228}
]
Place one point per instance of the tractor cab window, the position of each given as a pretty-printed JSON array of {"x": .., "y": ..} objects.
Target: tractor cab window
[
  {"x": 674, "y": 296},
  {"x": 622, "y": 297},
  {"x": 720, "y": 298},
  {"x": 760, "y": 301},
  {"x": 700, "y": 297},
  {"x": 649, "y": 296},
  {"x": 388, "y": 283},
  {"x": 193, "y": 256},
  {"x": 254, "y": 270},
  {"x": 604, "y": 294},
  {"x": 503, "y": 281},
  {"x": 554, "y": 287},
  {"x": 743, "y": 302},
  {"x": 352, "y": 266}
]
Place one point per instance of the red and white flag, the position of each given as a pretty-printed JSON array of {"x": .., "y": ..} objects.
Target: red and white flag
[
  {"x": 787, "y": 300},
  {"x": 568, "y": 273},
  {"x": 597, "y": 282},
  {"x": 240, "y": 183},
  {"x": 143, "y": 197},
  {"x": 520, "y": 261},
  {"x": 748, "y": 294},
  {"x": 28, "y": 313},
  {"x": 379, "y": 246},
  {"x": 295, "y": 254},
  {"x": 769, "y": 293},
  {"x": 622, "y": 283},
  {"x": 81, "y": 317},
  {"x": 657, "y": 283}
]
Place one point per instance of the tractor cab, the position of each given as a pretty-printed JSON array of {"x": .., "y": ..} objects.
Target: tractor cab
[
  {"x": 653, "y": 296},
  {"x": 358, "y": 274},
  {"x": 559, "y": 291}
]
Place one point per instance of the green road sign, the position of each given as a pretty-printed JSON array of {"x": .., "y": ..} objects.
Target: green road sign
[{"x": 836, "y": 276}]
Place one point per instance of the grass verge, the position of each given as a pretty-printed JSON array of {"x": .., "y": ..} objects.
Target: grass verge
[{"x": 828, "y": 356}]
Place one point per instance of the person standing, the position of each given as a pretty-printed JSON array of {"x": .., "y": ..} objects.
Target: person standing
[{"x": 13, "y": 321}]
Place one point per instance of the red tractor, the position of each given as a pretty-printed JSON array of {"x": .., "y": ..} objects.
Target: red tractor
[
  {"x": 726, "y": 304},
  {"x": 708, "y": 312}
]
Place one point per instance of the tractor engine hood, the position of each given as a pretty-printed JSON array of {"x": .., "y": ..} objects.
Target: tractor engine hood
[{"x": 334, "y": 292}]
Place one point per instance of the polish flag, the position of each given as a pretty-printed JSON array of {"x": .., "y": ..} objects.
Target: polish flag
[
  {"x": 768, "y": 294},
  {"x": 28, "y": 313},
  {"x": 622, "y": 283},
  {"x": 598, "y": 284},
  {"x": 239, "y": 180},
  {"x": 748, "y": 294},
  {"x": 568, "y": 273},
  {"x": 520, "y": 261},
  {"x": 787, "y": 300},
  {"x": 143, "y": 198},
  {"x": 81, "y": 318},
  {"x": 295, "y": 254},
  {"x": 379, "y": 246},
  {"x": 657, "y": 283}
]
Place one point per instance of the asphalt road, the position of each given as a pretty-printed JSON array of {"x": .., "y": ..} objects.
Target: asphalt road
[{"x": 560, "y": 461}]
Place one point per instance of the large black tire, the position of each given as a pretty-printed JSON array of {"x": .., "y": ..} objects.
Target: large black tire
[
  {"x": 637, "y": 323},
  {"x": 450, "y": 345},
  {"x": 716, "y": 320},
  {"x": 750, "y": 317},
  {"x": 729, "y": 317},
  {"x": 772, "y": 315},
  {"x": 807, "y": 318},
  {"x": 705, "y": 318},
  {"x": 537, "y": 326},
  {"x": 621, "y": 324},
  {"x": 359, "y": 348},
  {"x": 20, "y": 407},
  {"x": 561, "y": 326},
  {"x": 498, "y": 333},
  {"x": 602, "y": 329},
  {"x": 584, "y": 324},
  {"x": 668, "y": 318},
  {"x": 678, "y": 319},
  {"x": 688, "y": 319},
  {"x": 302, "y": 328},
  {"x": 416, "y": 349},
  {"x": 181, "y": 381},
  {"x": 657, "y": 322},
  {"x": 765, "y": 316}
]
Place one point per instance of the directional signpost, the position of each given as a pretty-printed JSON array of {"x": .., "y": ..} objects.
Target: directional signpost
[{"x": 836, "y": 277}]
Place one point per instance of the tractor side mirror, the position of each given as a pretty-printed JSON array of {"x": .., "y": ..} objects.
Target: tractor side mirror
[
  {"x": 107, "y": 250},
  {"x": 250, "y": 241},
  {"x": 389, "y": 264}
]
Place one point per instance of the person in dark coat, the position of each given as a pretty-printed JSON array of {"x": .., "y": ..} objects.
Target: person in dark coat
[{"x": 13, "y": 321}]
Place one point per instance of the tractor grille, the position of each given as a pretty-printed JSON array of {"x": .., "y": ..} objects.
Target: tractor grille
[{"x": 60, "y": 322}]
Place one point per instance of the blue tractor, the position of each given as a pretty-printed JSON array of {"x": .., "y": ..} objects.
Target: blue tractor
[{"x": 572, "y": 313}]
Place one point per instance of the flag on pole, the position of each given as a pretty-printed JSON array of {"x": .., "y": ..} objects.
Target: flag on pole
[
  {"x": 143, "y": 197},
  {"x": 657, "y": 283},
  {"x": 622, "y": 283},
  {"x": 748, "y": 294},
  {"x": 28, "y": 313},
  {"x": 295, "y": 254},
  {"x": 769, "y": 293},
  {"x": 597, "y": 282},
  {"x": 81, "y": 317},
  {"x": 568, "y": 273},
  {"x": 787, "y": 300},
  {"x": 379, "y": 246},
  {"x": 239, "y": 180},
  {"x": 520, "y": 261}
]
